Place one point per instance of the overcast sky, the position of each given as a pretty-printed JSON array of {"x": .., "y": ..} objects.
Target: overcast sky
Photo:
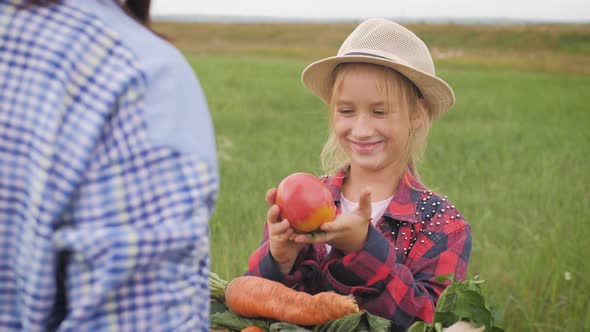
[{"x": 552, "y": 10}]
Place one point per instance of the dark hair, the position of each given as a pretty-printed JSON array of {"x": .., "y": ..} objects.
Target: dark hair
[{"x": 138, "y": 9}]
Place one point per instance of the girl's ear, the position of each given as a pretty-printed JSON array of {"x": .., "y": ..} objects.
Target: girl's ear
[{"x": 418, "y": 116}]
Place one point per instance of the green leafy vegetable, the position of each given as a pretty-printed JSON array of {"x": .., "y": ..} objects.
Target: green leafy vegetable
[
  {"x": 229, "y": 319},
  {"x": 461, "y": 301}
]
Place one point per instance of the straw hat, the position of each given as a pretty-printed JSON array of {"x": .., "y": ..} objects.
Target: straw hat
[{"x": 383, "y": 42}]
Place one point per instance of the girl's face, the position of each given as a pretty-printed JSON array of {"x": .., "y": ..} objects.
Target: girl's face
[{"x": 372, "y": 131}]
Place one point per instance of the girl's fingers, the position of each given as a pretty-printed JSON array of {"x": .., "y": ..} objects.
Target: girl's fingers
[
  {"x": 329, "y": 226},
  {"x": 271, "y": 196},
  {"x": 340, "y": 223},
  {"x": 302, "y": 238},
  {"x": 282, "y": 230},
  {"x": 280, "y": 226},
  {"x": 272, "y": 216},
  {"x": 288, "y": 230},
  {"x": 315, "y": 237},
  {"x": 364, "y": 209}
]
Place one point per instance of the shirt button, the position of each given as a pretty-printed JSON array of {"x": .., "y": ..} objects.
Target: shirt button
[{"x": 383, "y": 226}]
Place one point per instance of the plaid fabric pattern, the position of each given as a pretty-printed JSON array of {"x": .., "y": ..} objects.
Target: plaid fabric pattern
[
  {"x": 420, "y": 235},
  {"x": 100, "y": 229}
]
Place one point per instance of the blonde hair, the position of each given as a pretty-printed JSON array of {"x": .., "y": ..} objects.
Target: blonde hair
[{"x": 402, "y": 94}]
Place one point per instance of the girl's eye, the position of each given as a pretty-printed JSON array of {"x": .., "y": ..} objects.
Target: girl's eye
[
  {"x": 379, "y": 112},
  {"x": 345, "y": 111}
]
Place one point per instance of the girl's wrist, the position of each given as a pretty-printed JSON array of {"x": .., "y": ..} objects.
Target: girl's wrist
[
  {"x": 357, "y": 244},
  {"x": 285, "y": 268},
  {"x": 284, "y": 265}
]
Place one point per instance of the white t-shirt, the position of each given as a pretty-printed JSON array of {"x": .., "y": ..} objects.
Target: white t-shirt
[{"x": 377, "y": 209}]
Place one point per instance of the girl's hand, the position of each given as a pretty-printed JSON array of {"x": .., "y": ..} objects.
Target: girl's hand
[
  {"x": 348, "y": 232},
  {"x": 282, "y": 247}
]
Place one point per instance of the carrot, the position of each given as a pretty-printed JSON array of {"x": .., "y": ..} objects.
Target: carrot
[
  {"x": 251, "y": 296},
  {"x": 253, "y": 329}
]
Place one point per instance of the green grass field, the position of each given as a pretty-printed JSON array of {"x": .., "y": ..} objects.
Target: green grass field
[{"x": 512, "y": 155}]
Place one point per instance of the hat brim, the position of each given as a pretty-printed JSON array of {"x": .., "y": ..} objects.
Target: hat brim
[{"x": 317, "y": 78}]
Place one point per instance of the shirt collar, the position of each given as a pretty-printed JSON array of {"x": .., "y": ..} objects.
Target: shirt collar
[{"x": 403, "y": 204}]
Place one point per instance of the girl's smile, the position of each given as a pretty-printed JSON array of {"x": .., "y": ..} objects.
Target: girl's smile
[{"x": 366, "y": 148}]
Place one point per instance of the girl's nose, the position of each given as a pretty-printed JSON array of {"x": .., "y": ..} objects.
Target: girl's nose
[{"x": 362, "y": 127}]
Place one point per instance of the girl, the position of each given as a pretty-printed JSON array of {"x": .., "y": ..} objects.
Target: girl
[{"x": 392, "y": 236}]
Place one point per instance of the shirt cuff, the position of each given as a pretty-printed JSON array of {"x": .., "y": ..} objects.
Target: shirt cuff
[
  {"x": 269, "y": 268},
  {"x": 365, "y": 271},
  {"x": 304, "y": 274}
]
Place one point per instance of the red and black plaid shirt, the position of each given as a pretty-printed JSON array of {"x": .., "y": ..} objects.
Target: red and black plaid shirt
[{"x": 420, "y": 235}]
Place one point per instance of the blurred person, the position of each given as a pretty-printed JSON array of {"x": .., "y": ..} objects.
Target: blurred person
[
  {"x": 392, "y": 236},
  {"x": 108, "y": 173}
]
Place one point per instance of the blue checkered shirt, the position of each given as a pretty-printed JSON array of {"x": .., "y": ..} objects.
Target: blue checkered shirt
[{"x": 102, "y": 226}]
